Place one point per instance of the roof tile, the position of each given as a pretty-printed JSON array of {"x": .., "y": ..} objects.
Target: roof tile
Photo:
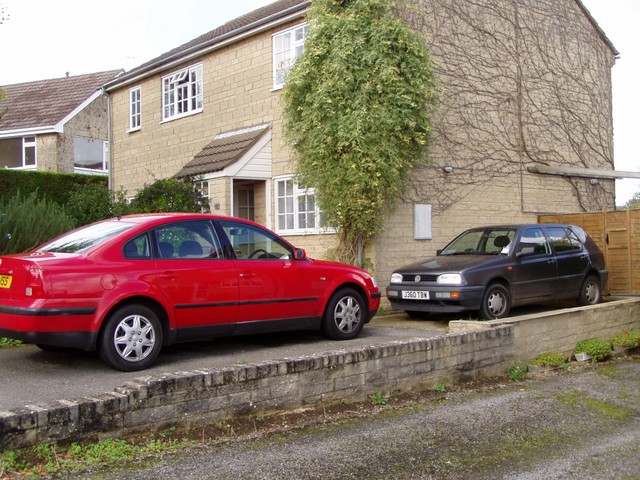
[
  {"x": 225, "y": 149},
  {"x": 46, "y": 102}
]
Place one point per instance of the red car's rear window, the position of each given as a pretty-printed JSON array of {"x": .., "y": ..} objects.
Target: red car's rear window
[{"x": 80, "y": 240}]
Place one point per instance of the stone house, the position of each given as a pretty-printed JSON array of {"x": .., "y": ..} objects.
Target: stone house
[
  {"x": 523, "y": 127},
  {"x": 58, "y": 125}
]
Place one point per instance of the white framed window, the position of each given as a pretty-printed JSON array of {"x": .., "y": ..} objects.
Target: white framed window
[
  {"x": 19, "y": 153},
  {"x": 297, "y": 211},
  {"x": 90, "y": 154},
  {"x": 287, "y": 46},
  {"x": 182, "y": 93},
  {"x": 202, "y": 187},
  {"x": 135, "y": 109},
  {"x": 29, "y": 152}
]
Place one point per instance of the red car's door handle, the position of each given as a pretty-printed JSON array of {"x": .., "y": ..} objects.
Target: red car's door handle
[
  {"x": 168, "y": 276},
  {"x": 247, "y": 274}
]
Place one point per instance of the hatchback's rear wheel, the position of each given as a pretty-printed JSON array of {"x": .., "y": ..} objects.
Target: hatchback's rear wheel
[
  {"x": 590, "y": 293},
  {"x": 345, "y": 314},
  {"x": 131, "y": 338},
  {"x": 496, "y": 302}
]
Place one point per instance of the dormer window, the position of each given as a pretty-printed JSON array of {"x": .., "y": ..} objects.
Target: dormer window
[
  {"x": 287, "y": 46},
  {"x": 182, "y": 93}
]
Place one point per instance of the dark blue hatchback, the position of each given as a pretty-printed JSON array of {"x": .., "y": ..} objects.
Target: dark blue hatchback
[{"x": 491, "y": 269}]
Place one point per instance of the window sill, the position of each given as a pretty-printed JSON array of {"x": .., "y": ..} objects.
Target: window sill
[{"x": 178, "y": 117}]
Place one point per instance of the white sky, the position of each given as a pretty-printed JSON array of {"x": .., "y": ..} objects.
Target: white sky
[{"x": 47, "y": 38}]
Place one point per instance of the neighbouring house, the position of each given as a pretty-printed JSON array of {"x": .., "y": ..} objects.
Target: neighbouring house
[
  {"x": 59, "y": 125},
  {"x": 523, "y": 127}
]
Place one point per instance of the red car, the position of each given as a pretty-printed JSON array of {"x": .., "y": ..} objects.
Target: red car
[{"x": 129, "y": 285}]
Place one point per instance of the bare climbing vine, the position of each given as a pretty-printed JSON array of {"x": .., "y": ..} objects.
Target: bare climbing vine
[{"x": 526, "y": 83}]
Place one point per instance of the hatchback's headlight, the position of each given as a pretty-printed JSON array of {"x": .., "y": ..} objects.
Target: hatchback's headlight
[
  {"x": 396, "y": 278},
  {"x": 449, "y": 279}
]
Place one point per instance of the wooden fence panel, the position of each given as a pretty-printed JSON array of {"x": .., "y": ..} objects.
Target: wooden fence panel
[{"x": 617, "y": 233}]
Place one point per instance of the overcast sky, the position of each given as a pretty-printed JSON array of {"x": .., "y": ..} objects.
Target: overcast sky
[{"x": 48, "y": 38}]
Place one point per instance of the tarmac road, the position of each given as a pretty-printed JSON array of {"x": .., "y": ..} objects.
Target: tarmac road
[{"x": 31, "y": 376}]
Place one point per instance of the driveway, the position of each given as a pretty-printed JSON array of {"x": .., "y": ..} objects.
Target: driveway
[{"x": 32, "y": 376}]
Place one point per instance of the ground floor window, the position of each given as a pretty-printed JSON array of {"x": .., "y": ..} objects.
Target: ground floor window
[
  {"x": 90, "y": 154},
  {"x": 296, "y": 208},
  {"x": 18, "y": 152}
]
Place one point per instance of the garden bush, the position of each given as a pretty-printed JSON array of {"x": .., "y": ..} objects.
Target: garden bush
[
  {"x": 169, "y": 195},
  {"x": 28, "y": 221},
  {"x": 628, "y": 339},
  {"x": 552, "y": 359},
  {"x": 596, "y": 348}
]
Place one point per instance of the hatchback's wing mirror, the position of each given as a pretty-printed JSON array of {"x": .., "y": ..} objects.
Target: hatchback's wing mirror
[{"x": 300, "y": 254}]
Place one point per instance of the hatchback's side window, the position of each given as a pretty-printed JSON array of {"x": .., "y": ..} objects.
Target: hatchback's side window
[
  {"x": 251, "y": 242},
  {"x": 137, "y": 248},
  {"x": 533, "y": 242},
  {"x": 187, "y": 240},
  {"x": 564, "y": 240}
]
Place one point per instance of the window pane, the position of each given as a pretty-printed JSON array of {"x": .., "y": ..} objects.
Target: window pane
[
  {"x": 88, "y": 153},
  {"x": 11, "y": 153}
]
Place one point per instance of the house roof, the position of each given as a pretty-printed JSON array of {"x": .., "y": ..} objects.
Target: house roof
[
  {"x": 274, "y": 13},
  {"x": 42, "y": 104},
  {"x": 225, "y": 149}
]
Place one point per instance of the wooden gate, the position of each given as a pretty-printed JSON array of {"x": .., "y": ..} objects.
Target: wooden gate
[{"x": 617, "y": 233}]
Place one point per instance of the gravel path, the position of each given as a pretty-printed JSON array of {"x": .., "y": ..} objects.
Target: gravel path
[{"x": 582, "y": 423}]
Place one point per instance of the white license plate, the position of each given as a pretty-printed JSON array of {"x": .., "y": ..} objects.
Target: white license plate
[{"x": 415, "y": 295}]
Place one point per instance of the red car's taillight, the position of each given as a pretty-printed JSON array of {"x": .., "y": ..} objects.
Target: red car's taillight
[{"x": 34, "y": 286}]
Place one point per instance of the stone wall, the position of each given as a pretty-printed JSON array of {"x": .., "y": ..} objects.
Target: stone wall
[
  {"x": 153, "y": 402},
  {"x": 560, "y": 330}
]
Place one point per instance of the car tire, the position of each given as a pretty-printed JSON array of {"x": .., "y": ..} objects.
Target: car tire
[
  {"x": 344, "y": 315},
  {"x": 590, "y": 292},
  {"x": 131, "y": 338},
  {"x": 496, "y": 302}
]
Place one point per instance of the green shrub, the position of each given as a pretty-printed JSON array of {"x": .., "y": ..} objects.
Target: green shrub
[
  {"x": 628, "y": 339},
  {"x": 596, "y": 348},
  {"x": 26, "y": 222},
  {"x": 90, "y": 203},
  {"x": 169, "y": 195},
  {"x": 517, "y": 373},
  {"x": 552, "y": 359}
]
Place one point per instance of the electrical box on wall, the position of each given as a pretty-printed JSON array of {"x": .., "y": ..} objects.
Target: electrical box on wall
[{"x": 421, "y": 221}]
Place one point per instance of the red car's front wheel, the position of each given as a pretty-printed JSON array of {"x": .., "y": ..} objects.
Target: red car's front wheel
[{"x": 345, "y": 315}]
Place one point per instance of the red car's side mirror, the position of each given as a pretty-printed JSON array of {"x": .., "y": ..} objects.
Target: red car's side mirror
[{"x": 300, "y": 254}]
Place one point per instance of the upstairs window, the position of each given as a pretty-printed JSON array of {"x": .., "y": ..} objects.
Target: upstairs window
[
  {"x": 182, "y": 93},
  {"x": 135, "y": 109},
  {"x": 287, "y": 46}
]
